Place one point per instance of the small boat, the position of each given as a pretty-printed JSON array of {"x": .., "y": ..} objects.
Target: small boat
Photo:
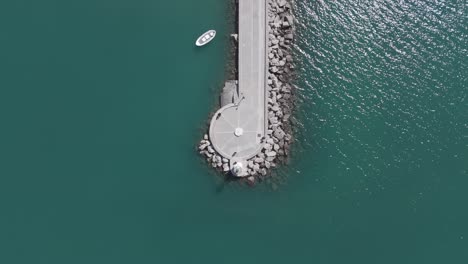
[{"x": 205, "y": 38}]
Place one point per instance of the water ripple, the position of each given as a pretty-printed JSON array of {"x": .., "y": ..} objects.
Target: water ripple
[{"x": 381, "y": 84}]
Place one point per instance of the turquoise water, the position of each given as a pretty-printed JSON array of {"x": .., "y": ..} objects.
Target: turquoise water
[{"x": 103, "y": 102}]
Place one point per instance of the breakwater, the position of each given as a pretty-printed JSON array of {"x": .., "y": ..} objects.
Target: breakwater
[{"x": 251, "y": 132}]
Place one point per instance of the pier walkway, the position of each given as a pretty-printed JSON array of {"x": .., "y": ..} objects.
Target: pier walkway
[{"x": 237, "y": 129}]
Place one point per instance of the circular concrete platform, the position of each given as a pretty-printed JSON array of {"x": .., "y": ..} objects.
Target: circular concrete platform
[{"x": 235, "y": 132}]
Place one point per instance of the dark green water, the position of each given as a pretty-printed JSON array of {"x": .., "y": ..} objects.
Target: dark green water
[{"x": 102, "y": 103}]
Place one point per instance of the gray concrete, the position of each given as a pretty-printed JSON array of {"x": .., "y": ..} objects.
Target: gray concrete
[
  {"x": 247, "y": 114},
  {"x": 229, "y": 94}
]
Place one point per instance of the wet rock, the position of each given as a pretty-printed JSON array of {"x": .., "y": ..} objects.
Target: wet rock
[{"x": 251, "y": 179}]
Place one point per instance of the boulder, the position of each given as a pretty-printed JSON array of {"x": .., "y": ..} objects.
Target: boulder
[
  {"x": 211, "y": 150},
  {"x": 279, "y": 133},
  {"x": 202, "y": 147},
  {"x": 289, "y": 19},
  {"x": 259, "y": 160},
  {"x": 281, "y": 3}
]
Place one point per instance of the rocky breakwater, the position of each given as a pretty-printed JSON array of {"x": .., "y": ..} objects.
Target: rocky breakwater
[{"x": 279, "y": 90}]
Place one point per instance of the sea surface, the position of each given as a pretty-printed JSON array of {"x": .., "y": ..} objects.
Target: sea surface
[{"x": 103, "y": 102}]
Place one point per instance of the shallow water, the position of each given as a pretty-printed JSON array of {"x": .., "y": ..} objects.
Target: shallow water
[{"x": 100, "y": 117}]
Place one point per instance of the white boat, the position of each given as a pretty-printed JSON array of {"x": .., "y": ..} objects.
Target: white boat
[{"x": 205, "y": 38}]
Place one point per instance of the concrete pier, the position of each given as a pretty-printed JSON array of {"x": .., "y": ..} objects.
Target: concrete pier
[
  {"x": 251, "y": 133},
  {"x": 237, "y": 130}
]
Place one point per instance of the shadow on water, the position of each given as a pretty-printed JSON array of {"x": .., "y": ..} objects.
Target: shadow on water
[{"x": 227, "y": 180}]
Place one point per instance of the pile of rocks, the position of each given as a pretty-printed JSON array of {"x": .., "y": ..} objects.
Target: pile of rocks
[
  {"x": 211, "y": 156},
  {"x": 279, "y": 91}
]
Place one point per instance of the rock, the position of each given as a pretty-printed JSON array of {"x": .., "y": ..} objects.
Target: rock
[
  {"x": 250, "y": 164},
  {"x": 290, "y": 19},
  {"x": 225, "y": 167},
  {"x": 270, "y": 154},
  {"x": 235, "y": 37},
  {"x": 279, "y": 134},
  {"x": 256, "y": 167},
  {"x": 273, "y": 120},
  {"x": 211, "y": 150},
  {"x": 267, "y": 164},
  {"x": 263, "y": 171},
  {"x": 259, "y": 160},
  {"x": 276, "y": 147},
  {"x": 274, "y": 186},
  {"x": 205, "y": 137},
  {"x": 225, "y": 160},
  {"x": 280, "y": 53},
  {"x": 281, "y": 3},
  {"x": 202, "y": 147},
  {"x": 251, "y": 179},
  {"x": 281, "y": 144}
]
